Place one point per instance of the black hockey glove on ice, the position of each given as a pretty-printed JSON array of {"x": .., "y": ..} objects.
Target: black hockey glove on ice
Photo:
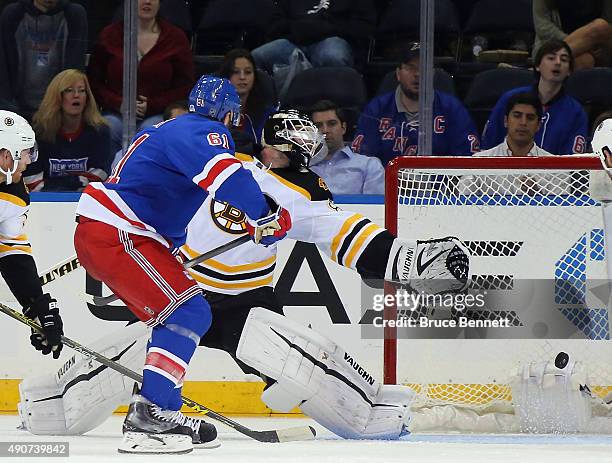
[{"x": 45, "y": 311}]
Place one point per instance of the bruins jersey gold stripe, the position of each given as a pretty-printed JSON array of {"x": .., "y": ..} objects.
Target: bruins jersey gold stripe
[
  {"x": 15, "y": 193},
  {"x": 215, "y": 264},
  {"x": 354, "y": 235},
  {"x": 7, "y": 250},
  {"x": 346, "y": 226},
  {"x": 358, "y": 243},
  {"x": 212, "y": 284}
]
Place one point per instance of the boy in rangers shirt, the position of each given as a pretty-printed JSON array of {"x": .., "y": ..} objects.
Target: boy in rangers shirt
[
  {"x": 388, "y": 126},
  {"x": 564, "y": 125}
]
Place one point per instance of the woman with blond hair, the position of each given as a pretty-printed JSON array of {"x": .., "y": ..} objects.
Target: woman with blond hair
[{"x": 73, "y": 137}]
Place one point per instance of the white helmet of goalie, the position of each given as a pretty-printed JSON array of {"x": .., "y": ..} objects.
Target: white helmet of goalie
[
  {"x": 294, "y": 134},
  {"x": 16, "y": 135},
  {"x": 602, "y": 143}
]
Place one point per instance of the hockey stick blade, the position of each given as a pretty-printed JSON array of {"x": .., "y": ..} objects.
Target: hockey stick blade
[
  {"x": 105, "y": 300},
  {"x": 280, "y": 435}
]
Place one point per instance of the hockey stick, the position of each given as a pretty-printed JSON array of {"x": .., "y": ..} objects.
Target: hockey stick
[
  {"x": 59, "y": 270},
  {"x": 105, "y": 300},
  {"x": 274, "y": 435}
]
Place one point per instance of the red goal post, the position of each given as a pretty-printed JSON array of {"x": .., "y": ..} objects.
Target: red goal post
[{"x": 534, "y": 192}]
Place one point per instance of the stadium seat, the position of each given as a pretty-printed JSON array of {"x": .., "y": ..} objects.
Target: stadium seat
[
  {"x": 443, "y": 82},
  {"x": 268, "y": 86},
  {"x": 343, "y": 85},
  {"x": 400, "y": 23},
  {"x": 488, "y": 86},
  {"x": 218, "y": 31},
  {"x": 591, "y": 86},
  {"x": 502, "y": 23}
]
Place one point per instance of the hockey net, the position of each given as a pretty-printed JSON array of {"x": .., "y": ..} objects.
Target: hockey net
[{"x": 523, "y": 219}]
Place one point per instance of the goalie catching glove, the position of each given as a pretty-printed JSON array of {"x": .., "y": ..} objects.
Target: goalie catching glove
[
  {"x": 45, "y": 311},
  {"x": 431, "y": 266}
]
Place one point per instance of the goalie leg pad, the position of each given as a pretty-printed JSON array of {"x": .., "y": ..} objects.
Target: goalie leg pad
[
  {"x": 432, "y": 266},
  {"x": 325, "y": 381},
  {"x": 548, "y": 399},
  {"x": 82, "y": 394}
]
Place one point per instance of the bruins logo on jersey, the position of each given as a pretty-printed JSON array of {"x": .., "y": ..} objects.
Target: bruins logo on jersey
[
  {"x": 322, "y": 184},
  {"x": 227, "y": 217}
]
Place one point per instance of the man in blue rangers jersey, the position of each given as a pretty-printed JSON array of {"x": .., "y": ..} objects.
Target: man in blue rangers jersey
[
  {"x": 247, "y": 321},
  {"x": 128, "y": 228},
  {"x": 389, "y": 125},
  {"x": 564, "y": 125},
  {"x": 17, "y": 150}
]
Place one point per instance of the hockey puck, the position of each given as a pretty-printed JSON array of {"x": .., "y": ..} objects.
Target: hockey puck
[{"x": 561, "y": 360}]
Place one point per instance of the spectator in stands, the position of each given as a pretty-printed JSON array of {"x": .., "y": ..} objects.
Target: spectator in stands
[
  {"x": 344, "y": 172},
  {"x": 584, "y": 26},
  {"x": 522, "y": 120},
  {"x": 38, "y": 39},
  {"x": 523, "y": 116},
  {"x": 165, "y": 69},
  {"x": 239, "y": 67},
  {"x": 323, "y": 30},
  {"x": 388, "y": 126},
  {"x": 73, "y": 137},
  {"x": 172, "y": 111},
  {"x": 564, "y": 125}
]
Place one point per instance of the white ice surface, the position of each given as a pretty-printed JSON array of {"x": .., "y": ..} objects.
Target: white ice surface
[{"x": 101, "y": 445}]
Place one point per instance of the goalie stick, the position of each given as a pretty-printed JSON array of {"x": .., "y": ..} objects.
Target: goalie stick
[
  {"x": 105, "y": 300},
  {"x": 275, "y": 435}
]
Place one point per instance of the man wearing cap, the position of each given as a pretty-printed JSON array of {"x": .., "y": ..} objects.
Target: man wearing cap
[{"x": 388, "y": 126}]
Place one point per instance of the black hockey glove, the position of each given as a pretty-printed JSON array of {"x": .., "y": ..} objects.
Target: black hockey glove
[{"x": 45, "y": 311}]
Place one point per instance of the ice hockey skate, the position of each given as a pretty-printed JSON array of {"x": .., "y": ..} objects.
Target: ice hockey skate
[{"x": 149, "y": 429}]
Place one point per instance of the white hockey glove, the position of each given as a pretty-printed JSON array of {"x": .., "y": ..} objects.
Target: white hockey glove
[
  {"x": 552, "y": 397},
  {"x": 431, "y": 266}
]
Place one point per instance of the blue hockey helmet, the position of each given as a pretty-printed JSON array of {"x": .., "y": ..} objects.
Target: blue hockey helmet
[{"x": 214, "y": 97}]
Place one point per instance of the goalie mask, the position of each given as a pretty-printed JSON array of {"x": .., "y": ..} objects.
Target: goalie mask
[
  {"x": 16, "y": 135},
  {"x": 602, "y": 143},
  {"x": 295, "y": 135}
]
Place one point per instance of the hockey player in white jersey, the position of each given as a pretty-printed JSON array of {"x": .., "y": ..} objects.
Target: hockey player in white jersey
[
  {"x": 306, "y": 369},
  {"x": 17, "y": 150}
]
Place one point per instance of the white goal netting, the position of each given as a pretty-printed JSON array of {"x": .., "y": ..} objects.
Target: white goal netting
[{"x": 535, "y": 232}]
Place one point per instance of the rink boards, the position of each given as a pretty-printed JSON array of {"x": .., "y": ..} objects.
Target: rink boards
[
  {"x": 213, "y": 377},
  {"x": 314, "y": 291}
]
